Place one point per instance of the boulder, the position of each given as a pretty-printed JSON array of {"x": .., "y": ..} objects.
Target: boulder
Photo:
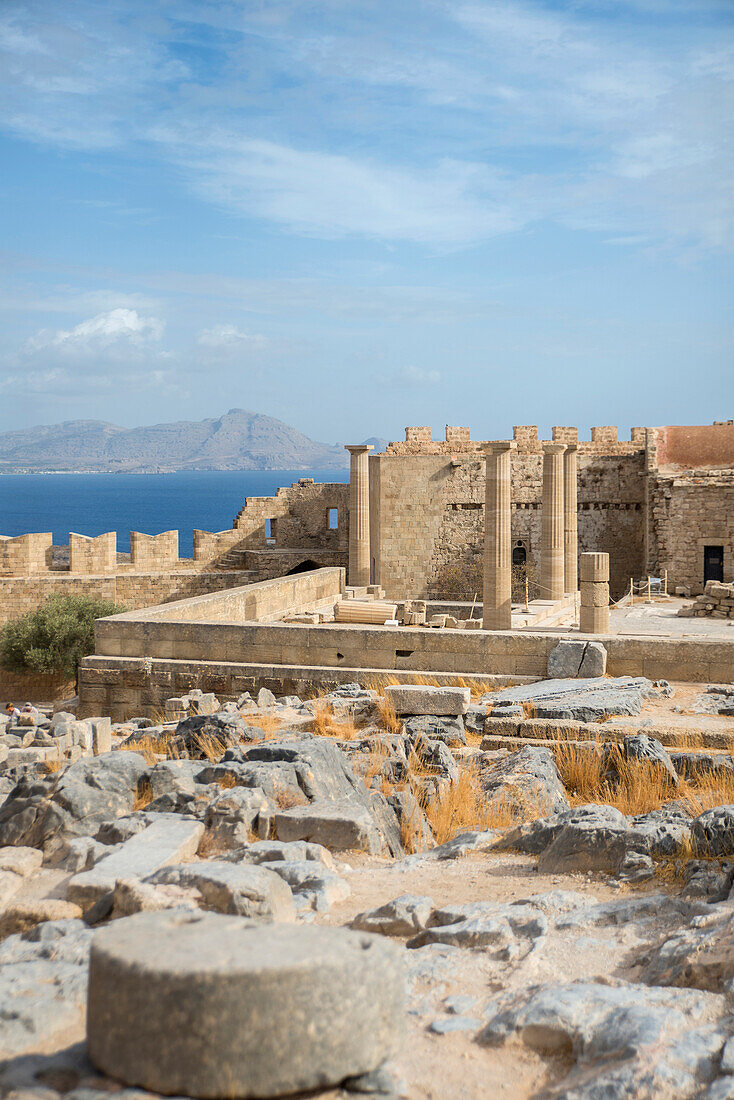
[
  {"x": 450, "y": 730},
  {"x": 712, "y": 832},
  {"x": 338, "y": 826},
  {"x": 235, "y": 814},
  {"x": 199, "y": 1006},
  {"x": 527, "y": 781},
  {"x": 583, "y": 700},
  {"x": 571, "y": 659},
  {"x": 404, "y": 916},
  {"x": 242, "y": 889}
]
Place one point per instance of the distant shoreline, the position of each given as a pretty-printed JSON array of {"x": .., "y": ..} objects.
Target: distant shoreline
[{"x": 30, "y": 472}]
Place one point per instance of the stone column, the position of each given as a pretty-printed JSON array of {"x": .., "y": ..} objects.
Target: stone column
[
  {"x": 497, "y": 589},
  {"x": 571, "y": 518},
  {"x": 552, "y": 538},
  {"x": 359, "y": 515},
  {"x": 594, "y": 615}
]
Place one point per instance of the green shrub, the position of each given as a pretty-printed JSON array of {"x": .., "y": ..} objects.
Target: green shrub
[{"x": 55, "y": 636}]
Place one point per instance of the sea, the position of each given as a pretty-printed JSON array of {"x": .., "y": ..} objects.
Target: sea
[{"x": 90, "y": 504}]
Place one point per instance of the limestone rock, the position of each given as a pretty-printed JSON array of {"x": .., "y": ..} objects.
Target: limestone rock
[
  {"x": 404, "y": 916},
  {"x": 527, "y": 780},
  {"x": 241, "y": 889},
  {"x": 571, "y": 659},
  {"x": 21, "y": 916},
  {"x": 450, "y": 730}
]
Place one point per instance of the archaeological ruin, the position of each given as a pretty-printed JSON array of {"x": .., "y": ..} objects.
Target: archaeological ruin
[{"x": 395, "y": 788}]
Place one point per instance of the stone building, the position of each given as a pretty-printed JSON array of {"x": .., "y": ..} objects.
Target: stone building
[{"x": 662, "y": 500}]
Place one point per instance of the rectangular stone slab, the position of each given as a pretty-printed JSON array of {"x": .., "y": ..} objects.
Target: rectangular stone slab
[
  {"x": 171, "y": 839},
  {"x": 417, "y": 699}
]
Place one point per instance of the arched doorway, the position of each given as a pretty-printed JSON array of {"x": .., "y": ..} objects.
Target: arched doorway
[
  {"x": 303, "y": 567},
  {"x": 519, "y": 553}
]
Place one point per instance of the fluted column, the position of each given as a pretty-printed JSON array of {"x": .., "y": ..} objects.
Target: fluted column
[
  {"x": 553, "y": 536},
  {"x": 359, "y": 515},
  {"x": 497, "y": 589},
  {"x": 571, "y": 520}
]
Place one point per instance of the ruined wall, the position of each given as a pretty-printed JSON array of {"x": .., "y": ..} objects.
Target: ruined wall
[
  {"x": 299, "y": 516},
  {"x": 690, "y": 512},
  {"x": 427, "y": 509}
]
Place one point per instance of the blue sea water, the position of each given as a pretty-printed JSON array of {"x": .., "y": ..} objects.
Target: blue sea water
[{"x": 91, "y": 504}]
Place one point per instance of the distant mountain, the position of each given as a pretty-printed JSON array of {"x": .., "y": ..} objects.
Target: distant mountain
[
  {"x": 239, "y": 440},
  {"x": 379, "y": 445}
]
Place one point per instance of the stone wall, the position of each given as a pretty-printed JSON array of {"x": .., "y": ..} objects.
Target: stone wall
[
  {"x": 242, "y": 604},
  {"x": 427, "y": 513},
  {"x": 93, "y": 555},
  {"x": 140, "y": 662},
  {"x": 18, "y": 595},
  {"x": 24, "y": 555},
  {"x": 688, "y": 513}
]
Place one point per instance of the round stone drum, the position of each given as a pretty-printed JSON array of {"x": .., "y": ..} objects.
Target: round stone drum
[{"x": 205, "y": 1005}]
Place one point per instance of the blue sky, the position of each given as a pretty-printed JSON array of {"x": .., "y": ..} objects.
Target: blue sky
[{"x": 358, "y": 214}]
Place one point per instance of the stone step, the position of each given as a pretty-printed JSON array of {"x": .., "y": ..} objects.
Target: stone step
[{"x": 710, "y": 741}]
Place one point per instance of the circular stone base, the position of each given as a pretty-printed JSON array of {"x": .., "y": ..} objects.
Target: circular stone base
[{"x": 204, "y": 1005}]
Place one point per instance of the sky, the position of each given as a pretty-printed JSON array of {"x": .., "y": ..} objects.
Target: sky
[{"x": 356, "y": 215}]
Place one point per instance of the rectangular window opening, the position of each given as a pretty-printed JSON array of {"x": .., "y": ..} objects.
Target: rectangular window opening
[
  {"x": 270, "y": 529},
  {"x": 333, "y": 519}
]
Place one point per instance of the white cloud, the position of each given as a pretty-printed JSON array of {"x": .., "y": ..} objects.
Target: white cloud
[
  {"x": 333, "y": 195},
  {"x": 228, "y": 337},
  {"x": 103, "y": 331},
  {"x": 418, "y": 376}
]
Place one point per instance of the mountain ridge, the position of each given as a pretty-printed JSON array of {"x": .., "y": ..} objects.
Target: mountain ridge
[{"x": 237, "y": 440}]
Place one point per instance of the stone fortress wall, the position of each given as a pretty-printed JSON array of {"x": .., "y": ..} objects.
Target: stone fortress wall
[{"x": 302, "y": 526}]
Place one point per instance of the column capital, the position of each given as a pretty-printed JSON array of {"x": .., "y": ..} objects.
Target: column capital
[
  {"x": 554, "y": 448},
  {"x": 358, "y": 448},
  {"x": 499, "y": 446}
]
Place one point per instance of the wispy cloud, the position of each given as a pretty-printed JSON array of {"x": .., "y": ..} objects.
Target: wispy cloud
[{"x": 437, "y": 123}]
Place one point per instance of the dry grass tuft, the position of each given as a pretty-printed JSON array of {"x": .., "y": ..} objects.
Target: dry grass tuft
[
  {"x": 287, "y": 799},
  {"x": 52, "y": 767},
  {"x": 465, "y": 805},
  {"x": 528, "y": 709},
  {"x": 326, "y": 724},
  {"x": 270, "y": 724},
  {"x": 226, "y": 782},
  {"x": 387, "y": 717},
  {"x": 642, "y": 786},
  {"x": 144, "y": 796}
]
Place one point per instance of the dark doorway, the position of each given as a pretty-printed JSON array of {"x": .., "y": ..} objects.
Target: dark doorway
[
  {"x": 713, "y": 563},
  {"x": 303, "y": 567},
  {"x": 519, "y": 554}
]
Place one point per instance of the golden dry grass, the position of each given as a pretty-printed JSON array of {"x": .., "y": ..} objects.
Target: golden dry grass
[
  {"x": 144, "y": 796},
  {"x": 326, "y": 723},
  {"x": 642, "y": 787},
  {"x": 52, "y": 767},
  {"x": 270, "y": 724},
  {"x": 465, "y": 806},
  {"x": 387, "y": 718}
]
